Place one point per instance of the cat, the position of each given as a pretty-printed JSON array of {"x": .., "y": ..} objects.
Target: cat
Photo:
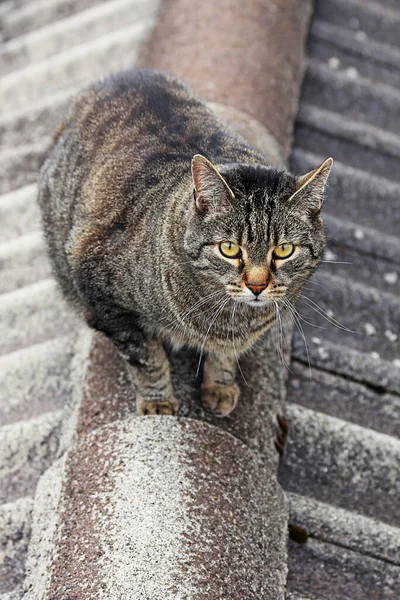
[{"x": 164, "y": 227}]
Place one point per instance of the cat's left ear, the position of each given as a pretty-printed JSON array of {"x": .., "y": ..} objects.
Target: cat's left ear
[
  {"x": 211, "y": 192},
  {"x": 311, "y": 186}
]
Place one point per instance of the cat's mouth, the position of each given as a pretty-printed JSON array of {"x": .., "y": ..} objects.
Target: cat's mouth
[
  {"x": 256, "y": 301},
  {"x": 257, "y": 298}
]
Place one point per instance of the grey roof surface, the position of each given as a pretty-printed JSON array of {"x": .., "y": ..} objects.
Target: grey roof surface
[{"x": 341, "y": 468}]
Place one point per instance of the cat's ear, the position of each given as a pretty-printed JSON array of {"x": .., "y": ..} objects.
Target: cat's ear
[
  {"x": 310, "y": 188},
  {"x": 211, "y": 192}
]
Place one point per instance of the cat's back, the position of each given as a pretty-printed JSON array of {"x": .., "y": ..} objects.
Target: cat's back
[
  {"x": 127, "y": 127},
  {"x": 123, "y": 136},
  {"x": 141, "y": 110},
  {"x": 124, "y": 146}
]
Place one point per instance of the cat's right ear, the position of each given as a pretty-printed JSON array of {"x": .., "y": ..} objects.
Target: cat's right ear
[{"x": 211, "y": 192}]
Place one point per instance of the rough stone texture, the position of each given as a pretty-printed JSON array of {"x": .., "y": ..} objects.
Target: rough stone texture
[
  {"x": 352, "y": 192},
  {"x": 329, "y": 572},
  {"x": 361, "y": 54},
  {"x": 31, "y": 124},
  {"x": 337, "y": 396},
  {"x": 233, "y": 53},
  {"x": 18, "y": 18},
  {"x": 353, "y": 97},
  {"x": 41, "y": 311},
  {"x": 85, "y": 62},
  {"x": 15, "y": 529},
  {"x": 63, "y": 34},
  {"x": 45, "y": 521},
  {"x": 379, "y": 149},
  {"x": 23, "y": 262},
  {"x": 27, "y": 449},
  {"x": 19, "y": 213},
  {"x": 367, "y": 17},
  {"x": 346, "y": 529},
  {"x": 199, "y": 527},
  {"x": 362, "y": 465},
  {"x": 342, "y": 463},
  {"x": 35, "y": 380}
]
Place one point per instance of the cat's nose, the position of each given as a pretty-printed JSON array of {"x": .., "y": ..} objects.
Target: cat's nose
[{"x": 256, "y": 288}]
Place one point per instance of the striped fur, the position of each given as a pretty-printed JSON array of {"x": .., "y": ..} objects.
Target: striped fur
[{"x": 134, "y": 245}]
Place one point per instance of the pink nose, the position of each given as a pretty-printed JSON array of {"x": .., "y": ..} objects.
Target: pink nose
[{"x": 256, "y": 288}]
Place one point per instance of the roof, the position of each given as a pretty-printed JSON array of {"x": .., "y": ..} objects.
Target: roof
[
  {"x": 342, "y": 463},
  {"x": 341, "y": 469}
]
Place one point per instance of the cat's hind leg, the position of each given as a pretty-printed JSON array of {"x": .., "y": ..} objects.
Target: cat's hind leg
[{"x": 219, "y": 391}]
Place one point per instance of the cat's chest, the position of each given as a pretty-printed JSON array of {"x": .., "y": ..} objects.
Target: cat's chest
[{"x": 219, "y": 336}]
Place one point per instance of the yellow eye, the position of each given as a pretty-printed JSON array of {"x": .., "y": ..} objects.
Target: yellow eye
[
  {"x": 230, "y": 249},
  {"x": 284, "y": 251}
]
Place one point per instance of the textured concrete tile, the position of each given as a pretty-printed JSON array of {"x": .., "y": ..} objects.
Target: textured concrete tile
[
  {"x": 76, "y": 67},
  {"x": 35, "y": 380},
  {"x": 346, "y": 529},
  {"x": 342, "y": 398},
  {"x": 350, "y": 195},
  {"x": 27, "y": 449},
  {"x": 33, "y": 314},
  {"x": 208, "y": 40},
  {"x": 357, "y": 98},
  {"x": 353, "y": 143},
  {"x": 367, "y": 19},
  {"x": 19, "y": 213},
  {"x": 64, "y": 34},
  {"x": 174, "y": 509},
  {"x": 23, "y": 261},
  {"x": 22, "y": 17},
  {"x": 365, "y": 56},
  {"x": 324, "y": 571},
  {"x": 337, "y": 462},
  {"x": 15, "y": 530}
]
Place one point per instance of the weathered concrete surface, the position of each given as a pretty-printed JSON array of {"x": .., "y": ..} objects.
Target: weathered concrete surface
[
  {"x": 15, "y": 528},
  {"x": 347, "y": 529},
  {"x": 248, "y": 55},
  {"x": 178, "y": 512}
]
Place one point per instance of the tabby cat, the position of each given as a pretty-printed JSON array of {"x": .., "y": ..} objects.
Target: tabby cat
[{"x": 165, "y": 227}]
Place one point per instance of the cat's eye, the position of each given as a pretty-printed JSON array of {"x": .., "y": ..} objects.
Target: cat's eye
[
  {"x": 283, "y": 251},
  {"x": 230, "y": 249}
]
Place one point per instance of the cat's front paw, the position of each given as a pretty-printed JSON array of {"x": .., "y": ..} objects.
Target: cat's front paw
[
  {"x": 220, "y": 399},
  {"x": 156, "y": 407}
]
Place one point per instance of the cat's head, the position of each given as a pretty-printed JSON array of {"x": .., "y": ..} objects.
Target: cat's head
[{"x": 255, "y": 231}]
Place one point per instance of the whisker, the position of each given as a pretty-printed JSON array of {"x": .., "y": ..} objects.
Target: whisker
[
  {"x": 219, "y": 309},
  {"x": 325, "y": 315},
  {"x": 280, "y": 330},
  {"x": 337, "y": 262},
  {"x": 182, "y": 316},
  {"x": 234, "y": 347},
  {"x": 301, "y": 317},
  {"x": 296, "y": 320}
]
